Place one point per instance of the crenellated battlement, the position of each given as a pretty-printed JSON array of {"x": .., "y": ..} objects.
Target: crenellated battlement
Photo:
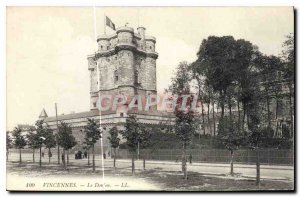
[
  {"x": 127, "y": 63},
  {"x": 125, "y": 38}
]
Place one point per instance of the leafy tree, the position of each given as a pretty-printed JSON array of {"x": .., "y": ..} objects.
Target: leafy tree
[
  {"x": 19, "y": 141},
  {"x": 65, "y": 139},
  {"x": 144, "y": 139},
  {"x": 92, "y": 135},
  {"x": 268, "y": 67},
  {"x": 50, "y": 141},
  {"x": 32, "y": 142},
  {"x": 245, "y": 55},
  {"x": 114, "y": 141},
  {"x": 216, "y": 59},
  {"x": 131, "y": 134},
  {"x": 288, "y": 56},
  {"x": 230, "y": 137},
  {"x": 255, "y": 114},
  {"x": 40, "y": 137},
  {"x": 9, "y": 144},
  {"x": 184, "y": 119}
]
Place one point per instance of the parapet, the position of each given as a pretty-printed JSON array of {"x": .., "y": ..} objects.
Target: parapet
[{"x": 125, "y": 29}]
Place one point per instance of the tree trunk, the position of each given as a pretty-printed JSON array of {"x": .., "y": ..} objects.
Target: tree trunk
[
  {"x": 68, "y": 157},
  {"x": 222, "y": 104},
  {"x": 231, "y": 162},
  {"x": 291, "y": 108},
  {"x": 230, "y": 111},
  {"x": 268, "y": 109},
  {"x": 184, "y": 167},
  {"x": 58, "y": 155},
  {"x": 40, "y": 155},
  {"x": 132, "y": 163},
  {"x": 20, "y": 161},
  {"x": 244, "y": 117},
  {"x": 239, "y": 116},
  {"x": 93, "y": 151},
  {"x": 214, "y": 118},
  {"x": 33, "y": 158},
  {"x": 203, "y": 121},
  {"x": 115, "y": 155},
  {"x": 208, "y": 119},
  {"x": 88, "y": 152},
  {"x": 49, "y": 152},
  {"x": 7, "y": 153},
  {"x": 144, "y": 163},
  {"x": 257, "y": 167},
  {"x": 64, "y": 159},
  {"x": 276, "y": 116}
]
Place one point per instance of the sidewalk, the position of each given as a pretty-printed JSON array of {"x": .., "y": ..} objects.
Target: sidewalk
[{"x": 236, "y": 165}]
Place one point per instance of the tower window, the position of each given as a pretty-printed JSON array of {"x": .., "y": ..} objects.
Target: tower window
[
  {"x": 94, "y": 104},
  {"x": 150, "y": 47},
  {"x": 121, "y": 114},
  {"x": 101, "y": 47}
]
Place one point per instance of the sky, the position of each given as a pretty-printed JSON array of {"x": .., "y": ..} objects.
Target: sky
[{"x": 46, "y": 47}]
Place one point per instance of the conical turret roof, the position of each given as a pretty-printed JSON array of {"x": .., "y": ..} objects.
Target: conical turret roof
[{"x": 43, "y": 114}]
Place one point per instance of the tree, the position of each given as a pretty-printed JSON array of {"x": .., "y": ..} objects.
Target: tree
[
  {"x": 131, "y": 134},
  {"x": 92, "y": 135},
  {"x": 9, "y": 144},
  {"x": 65, "y": 139},
  {"x": 184, "y": 118},
  {"x": 114, "y": 141},
  {"x": 288, "y": 56},
  {"x": 39, "y": 137},
  {"x": 216, "y": 62},
  {"x": 255, "y": 114},
  {"x": 268, "y": 67},
  {"x": 32, "y": 142},
  {"x": 19, "y": 141},
  {"x": 245, "y": 55},
  {"x": 50, "y": 141},
  {"x": 144, "y": 139},
  {"x": 230, "y": 137}
]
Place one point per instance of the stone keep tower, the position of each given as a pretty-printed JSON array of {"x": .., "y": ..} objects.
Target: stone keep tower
[{"x": 127, "y": 62}]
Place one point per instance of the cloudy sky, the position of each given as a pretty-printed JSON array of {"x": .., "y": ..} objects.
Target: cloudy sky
[{"x": 47, "y": 47}]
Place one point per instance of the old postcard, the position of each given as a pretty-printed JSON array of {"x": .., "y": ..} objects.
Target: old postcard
[{"x": 150, "y": 98}]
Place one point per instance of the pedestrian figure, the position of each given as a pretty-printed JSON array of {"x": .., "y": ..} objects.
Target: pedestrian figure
[
  {"x": 190, "y": 157},
  {"x": 108, "y": 153},
  {"x": 104, "y": 155},
  {"x": 85, "y": 154},
  {"x": 43, "y": 154},
  {"x": 79, "y": 155}
]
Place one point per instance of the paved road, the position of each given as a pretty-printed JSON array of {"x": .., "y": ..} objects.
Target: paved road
[{"x": 273, "y": 172}]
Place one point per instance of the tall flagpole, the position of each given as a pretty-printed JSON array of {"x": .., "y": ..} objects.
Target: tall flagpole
[
  {"x": 104, "y": 24},
  {"x": 99, "y": 94}
]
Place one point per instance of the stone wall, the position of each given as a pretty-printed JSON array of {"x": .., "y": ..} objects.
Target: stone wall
[{"x": 127, "y": 61}]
